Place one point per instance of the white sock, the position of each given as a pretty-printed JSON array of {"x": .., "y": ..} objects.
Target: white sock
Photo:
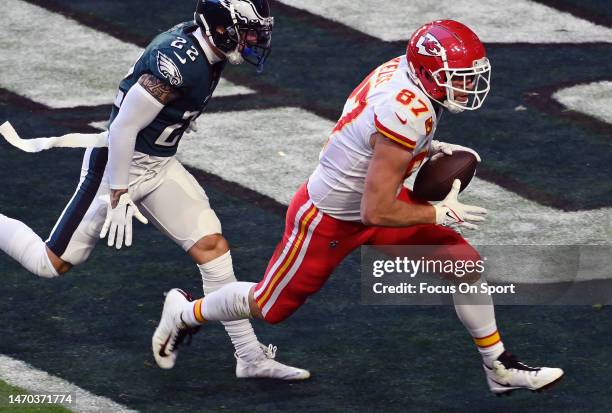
[
  {"x": 479, "y": 320},
  {"x": 25, "y": 247},
  {"x": 188, "y": 314},
  {"x": 215, "y": 275},
  {"x": 229, "y": 303}
]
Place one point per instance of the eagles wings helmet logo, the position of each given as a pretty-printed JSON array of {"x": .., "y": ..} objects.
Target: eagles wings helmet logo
[
  {"x": 169, "y": 70},
  {"x": 245, "y": 11},
  {"x": 428, "y": 45}
]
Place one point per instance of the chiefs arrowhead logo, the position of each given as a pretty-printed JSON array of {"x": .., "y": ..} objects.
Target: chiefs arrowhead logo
[{"x": 428, "y": 45}]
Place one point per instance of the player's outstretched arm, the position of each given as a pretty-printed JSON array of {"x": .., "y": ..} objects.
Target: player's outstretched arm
[
  {"x": 141, "y": 105},
  {"x": 379, "y": 204}
]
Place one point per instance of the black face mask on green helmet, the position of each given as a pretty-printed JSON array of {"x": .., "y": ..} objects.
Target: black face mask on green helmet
[{"x": 246, "y": 28}]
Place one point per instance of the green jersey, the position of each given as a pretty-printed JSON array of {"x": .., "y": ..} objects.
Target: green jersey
[{"x": 177, "y": 58}]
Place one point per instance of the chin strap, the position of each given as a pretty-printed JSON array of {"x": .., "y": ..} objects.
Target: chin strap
[
  {"x": 234, "y": 57},
  {"x": 452, "y": 108}
]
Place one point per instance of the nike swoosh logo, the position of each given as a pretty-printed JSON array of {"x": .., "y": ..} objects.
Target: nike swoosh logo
[
  {"x": 493, "y": 380},
  {"x": 454, "y": 216},
  {"x": 183, "y": 61},
  {"x": 404, "y": 121},
  {"x": 501, "y": 384}
]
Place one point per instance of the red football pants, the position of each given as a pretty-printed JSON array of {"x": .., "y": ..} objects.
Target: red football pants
[{"x": 315, "y": 243}]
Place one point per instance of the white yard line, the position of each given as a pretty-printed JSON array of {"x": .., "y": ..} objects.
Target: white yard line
[
  {"x": 20, "y": 374},
  {"x": 493, "y": 20},
  {"x": 592, "y": 99},
  {"x": 60, "y": 63},
  {"x": 272, "y": 158}
]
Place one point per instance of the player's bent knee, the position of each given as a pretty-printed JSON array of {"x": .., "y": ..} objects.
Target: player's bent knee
[
  {"x": 272, "y": 316},
  {"x": 278, "y": 313},
  {"x": 39, "y": 263},
  {"x": 60, "y": 266},
  {"x": 471, "y": 277},
  {"x": 471, "y": 266},
  {"x": 275, "y": 318},
  {"x": 254, "y": 307},
  {"x": 467, "y": 267},
  {"x": 208, "y": 248},
  {"x": 210, "y": 243}
]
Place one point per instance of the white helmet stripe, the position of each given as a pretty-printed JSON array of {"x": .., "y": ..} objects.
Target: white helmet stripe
[
  {"x": 233, "y": 13},
  {"x": 203, "y": 20}
]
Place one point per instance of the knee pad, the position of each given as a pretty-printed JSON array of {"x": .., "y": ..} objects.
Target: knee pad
[{"x": 208, "y": 223}]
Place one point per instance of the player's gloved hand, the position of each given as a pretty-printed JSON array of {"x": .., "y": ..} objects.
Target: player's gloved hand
[
  {"x": 437, "y": 149},
  {"x": 452, "y": 213},
  {"x": 118, "y": 223}
]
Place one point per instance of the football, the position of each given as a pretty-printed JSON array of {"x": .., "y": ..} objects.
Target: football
[{"x": 435, "y": 178}]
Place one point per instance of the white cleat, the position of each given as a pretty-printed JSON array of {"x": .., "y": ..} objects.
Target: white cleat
[
  {"x": 508, "y": 374},
  {"x": 171, "y": 330},
  {"x": 267, "y": 367}
]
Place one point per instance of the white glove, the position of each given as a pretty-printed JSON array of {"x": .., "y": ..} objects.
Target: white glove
[
  {"x": 119, "y": 221},
  {"x": 451, "y": 213},
  {"x": 438, "y": 149}
]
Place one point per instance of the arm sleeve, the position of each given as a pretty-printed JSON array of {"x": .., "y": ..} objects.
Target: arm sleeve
[{"x": 137, "y": 111}]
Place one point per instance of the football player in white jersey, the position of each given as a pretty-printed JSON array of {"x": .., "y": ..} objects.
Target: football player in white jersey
[
  {"x": 356, "y": 196},
  {"x": 166, "y": 89}
]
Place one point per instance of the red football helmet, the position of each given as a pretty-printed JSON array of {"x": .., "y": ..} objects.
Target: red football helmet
[{"x": 449, "y": 63}]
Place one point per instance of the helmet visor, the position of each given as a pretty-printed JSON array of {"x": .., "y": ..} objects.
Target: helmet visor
[{"x": 256, "y": 43}]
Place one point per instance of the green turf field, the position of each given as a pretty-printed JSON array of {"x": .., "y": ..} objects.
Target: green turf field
[{"x": 93, "y": 326}]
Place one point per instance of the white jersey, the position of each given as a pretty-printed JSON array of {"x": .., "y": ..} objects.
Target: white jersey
[{"x": 388, "y": 102}]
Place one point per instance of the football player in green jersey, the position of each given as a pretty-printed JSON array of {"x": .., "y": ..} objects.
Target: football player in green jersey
[{"x": 138, "y": 175}]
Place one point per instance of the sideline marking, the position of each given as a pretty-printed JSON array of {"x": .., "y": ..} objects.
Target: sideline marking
[{"x": 20, "y": 374}]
